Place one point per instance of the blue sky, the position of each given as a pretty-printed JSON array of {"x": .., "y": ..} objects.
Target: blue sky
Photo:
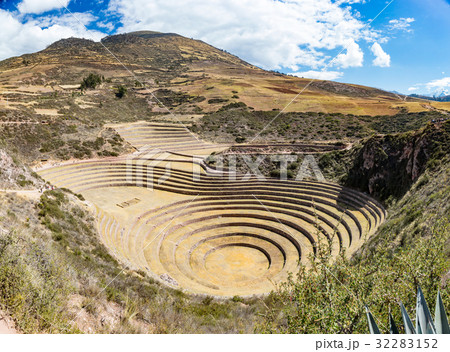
[{"x": 406, "y": 47}]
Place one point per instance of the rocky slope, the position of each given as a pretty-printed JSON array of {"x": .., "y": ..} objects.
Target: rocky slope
[
  {"x": 386, "y": 166},
  {"x": 14, "y": 176}
]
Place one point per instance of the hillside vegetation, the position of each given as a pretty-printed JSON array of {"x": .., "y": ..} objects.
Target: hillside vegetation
[
  {"x": 412, "y": 248},
  {"x": 56, "y": 277},
  {"x": 237, "y": 120},
  {"x": 330, "y": 298}
]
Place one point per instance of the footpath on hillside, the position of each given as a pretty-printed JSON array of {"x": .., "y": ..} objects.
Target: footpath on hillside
[
  {"x": 6, "y": 324},
  {"x": 32, "y": 194}
]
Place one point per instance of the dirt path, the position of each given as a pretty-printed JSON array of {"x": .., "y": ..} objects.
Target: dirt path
[
  {"x": 430, "y": 107},
  {"x": 32, "y": 194},
  {"x": 22, "y": 123},
  {"x": 6, "y": 324}
]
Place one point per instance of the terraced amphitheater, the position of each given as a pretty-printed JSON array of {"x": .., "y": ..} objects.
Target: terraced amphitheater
[
  {"x": 171, "y": 138},
  {"x": 164, "y": 211}
]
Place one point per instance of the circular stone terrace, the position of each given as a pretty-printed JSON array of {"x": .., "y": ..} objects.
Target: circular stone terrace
[{"x": 209, "y": 234}]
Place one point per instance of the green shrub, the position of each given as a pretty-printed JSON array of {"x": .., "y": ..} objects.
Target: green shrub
[
  {"x": 275, "y": 173},
  {"x": 237, "y": 299},
  {"x": 217, "y": 101},
  {"x": 80, "y": 196},
  {"x": 290, "y": 174},
  {"x": 293, "y": 166},
  {"x": 33, "y": 284},
  {"x": 91, "y": 81},
  {"x": 121, "y": 91}
]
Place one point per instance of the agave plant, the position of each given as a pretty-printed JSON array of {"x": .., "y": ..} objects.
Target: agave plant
[{"x": 424, "y": 321}]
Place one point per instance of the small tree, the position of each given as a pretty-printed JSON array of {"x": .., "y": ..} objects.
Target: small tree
[
  {"x": 91, "y": 81},
  {"x": 121, "y": 91}
]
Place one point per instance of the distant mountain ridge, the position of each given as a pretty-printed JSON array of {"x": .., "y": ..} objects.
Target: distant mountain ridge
[{"x": 443, "y": 98}]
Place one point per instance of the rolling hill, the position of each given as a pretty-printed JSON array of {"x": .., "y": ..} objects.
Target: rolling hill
[{"x": 176, "y": 68}]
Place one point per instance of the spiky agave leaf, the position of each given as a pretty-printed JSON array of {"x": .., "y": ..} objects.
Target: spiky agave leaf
[
  {"x": 424, "y": 322},
  {"x": 440, "y": 317},
  {"x": 409, "y": 326},
  {"x": 392, "y": 327},
  {"x": 373, "y": 327}
]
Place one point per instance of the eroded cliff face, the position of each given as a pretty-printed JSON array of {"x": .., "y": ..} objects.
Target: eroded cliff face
[{"x": 388, "y": 165}]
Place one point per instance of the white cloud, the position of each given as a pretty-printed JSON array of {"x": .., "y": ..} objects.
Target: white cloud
[
  {"x": 353, "y": 57},
  {"x": 107, "y": 25},
  {"x": 268, "y": 33},
  {"x": 41, "y": 6},
  {"x": 326, "y": 75},
  {"x": 382, "y": 59},
  {"x": 340, "y": 2},
  {"x": 34, "y": 35},
  {"x": 401, "y": 24},
  {"x": 435, "y": 87},
  {"x": 438, "y": 84},
  {"x": 76, "y": 21}
]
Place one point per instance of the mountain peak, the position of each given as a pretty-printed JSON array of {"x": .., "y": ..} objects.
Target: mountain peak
[
  {"x": 127, "y": 37},
  {"x": 70, "y": 43}
]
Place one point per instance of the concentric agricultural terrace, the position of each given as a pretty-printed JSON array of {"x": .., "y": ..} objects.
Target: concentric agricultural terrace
[{"x": 208, "y": 234}]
